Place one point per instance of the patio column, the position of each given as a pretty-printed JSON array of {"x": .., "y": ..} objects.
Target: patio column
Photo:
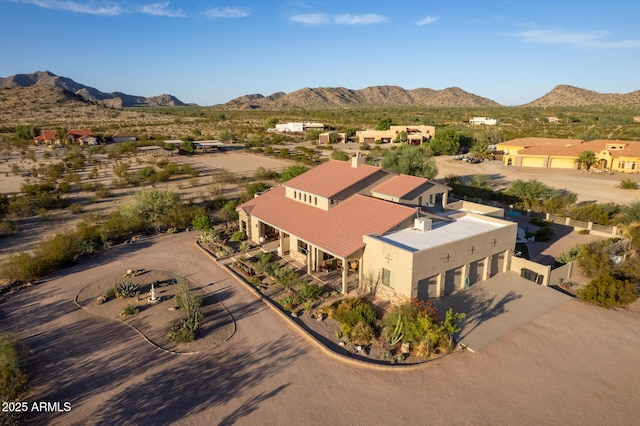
[
  {"x": 309, "y": 258},
  {"x": 465, "y": 275},
  {"x": 507, "y": 260},
  {"x": 444, "y": 199},
  {"x": 280, "y": 242},
  {"x": 487, "y": 268},
  {"x": 344, "y": 276},
  {"x": 439, "y": 285}
]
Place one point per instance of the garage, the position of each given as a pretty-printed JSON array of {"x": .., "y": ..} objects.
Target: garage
[
  {"x": 563, "y": 163},
  {"x": 452, "y": 280},
  {"x": 533, "y": 162},
  {"x": 428, "y": 288},
  {"x": 369, "y": 140}
]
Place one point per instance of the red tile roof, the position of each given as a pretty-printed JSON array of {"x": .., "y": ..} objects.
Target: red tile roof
[
  {"x": 631, "y": 148},
  {"x": 79, "y": 132},
  {"x": 332, "y": 177},
  {"x": 399, "y": 186},
  {"x": 46, "y": 135},
  {"x": 339, "y": 230}
]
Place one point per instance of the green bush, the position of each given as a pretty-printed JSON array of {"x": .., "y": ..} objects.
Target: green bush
[
  {"x": 238, "y": 236},
  {"x": 353, "y": 310},
  {"x": 254, "y": 281},
  {"x": 110, "y": 293},
  {"x": 361, "y": 333},
  {"x": 538, "y": 221},
  {"x": 544, "y": 234},
  {"x": 628, "y": 184},
  {"x": 13, "y": 381},
  {"x": 129, "y": 310},
  {"x": 608, "y": 292}
]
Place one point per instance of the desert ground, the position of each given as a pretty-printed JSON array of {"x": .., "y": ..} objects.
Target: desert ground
[{"x": 574, "y": 364}]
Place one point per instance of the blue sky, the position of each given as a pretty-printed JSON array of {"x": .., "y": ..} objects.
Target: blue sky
[{"x": 209, "y": 52}]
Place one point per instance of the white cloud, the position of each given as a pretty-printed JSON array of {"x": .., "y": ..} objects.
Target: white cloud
[
  {"x": 105, "y": 8},
  {"x": 160, "y": 9},
  {"x": 227, "y": 12},
  {"x": 427, "y": 20},
  {"x": 341, "y": 19},
  {"x": 593, "y": 39}
]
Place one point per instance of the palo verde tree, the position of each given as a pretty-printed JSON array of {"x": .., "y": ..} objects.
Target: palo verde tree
[
  {"x": 411, "y": 160},
  {"x": 446, "y": 141},
  {"x": 384, "y": 123}
]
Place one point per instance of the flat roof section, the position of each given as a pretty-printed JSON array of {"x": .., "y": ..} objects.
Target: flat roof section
[{"x": 441, "y": 233}]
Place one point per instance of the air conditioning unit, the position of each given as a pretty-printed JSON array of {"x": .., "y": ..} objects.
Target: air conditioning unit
[{"x": 422, "y": 224}]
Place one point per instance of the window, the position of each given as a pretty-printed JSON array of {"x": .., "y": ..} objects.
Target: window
[
  {"x": 302, "y": 247},
  {"x": 315, "y": 200},
  {"x": 305, "y": 198},
  {"x": 387, "y": 278},
  {"x": 295, "y": 194}
]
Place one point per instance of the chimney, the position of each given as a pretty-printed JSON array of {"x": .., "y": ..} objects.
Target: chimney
[{"x": 357, "y": 161}]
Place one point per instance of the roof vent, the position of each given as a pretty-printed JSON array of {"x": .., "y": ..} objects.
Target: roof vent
[{"x": 422, "y": 224}]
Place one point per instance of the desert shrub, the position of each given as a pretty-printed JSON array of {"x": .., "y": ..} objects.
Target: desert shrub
[
  {"x": 287, "y": 277},
  {"x": 263, "y": 174},
  {"x": 8, "y": 227},
  {"x": 288, "y": 302},
  {"x": 410, "y": 320},
  {"x": 607, "y": 291},
  {"x": 129, "y": 310},
  {"x": 309, "y": 292},
  {"x": 22, "y": 267},
  {"x": 75, "y": 208},
  {"x": 361, "y": 333},
  {"x": 538, "y": 221},
  {"x": 13, "y": 381},
  {"x": 628, "y": 184},
  {"x": 238, "y": 236},
  {"x": 569, "y": 256},
  {"x": 110, "y": 293},
  {"x": 545, "y": 234},
  {"x": 254, "y": 280},
  {"x": 353, "y": 310},
  {"x": 340, "y": 155}
]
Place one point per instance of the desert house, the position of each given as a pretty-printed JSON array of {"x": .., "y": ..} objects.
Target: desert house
[
  {"x": 46, "y": 137},
  {"x": 325, "y": 138},
  {"x": 74, "y": 134},
  {"x": 298, "y": 127},
  {"x": 487, "y": 121},
  {"x": 123, "y": 137},
  {"x": 415, "y": 135},
  {"x": 374, "y": 227},
  {"x": 610, "y": 155}
]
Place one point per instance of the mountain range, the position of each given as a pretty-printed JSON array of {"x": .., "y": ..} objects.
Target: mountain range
[
  {"x": 322, "y": 97},
  {"x": 81, "y": 92}
]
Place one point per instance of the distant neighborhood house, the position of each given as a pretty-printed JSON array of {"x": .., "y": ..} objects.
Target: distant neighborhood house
[
  {"x": 554, "y": 120},
  {"x": 298, "y": 127},
  {"x": 325, "y": 137},
  {"x": 415, "y": 135},
  {"x": 81, "y": 136},
  {"x": 476, "y": 121},
  {"x": 610, "y": 155},
  {"x": 124, "y": 137},
  {"x": 636, "y": 119}
]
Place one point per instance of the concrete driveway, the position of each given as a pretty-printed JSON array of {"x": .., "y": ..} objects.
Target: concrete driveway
[{"x": 497, "y": 306}]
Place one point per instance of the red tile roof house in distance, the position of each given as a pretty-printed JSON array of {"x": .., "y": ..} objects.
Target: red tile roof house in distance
[
  {"x": 47, "y": 137},
  {"x": 324, "y": 214},
  {"x": 74, "y": 134}
]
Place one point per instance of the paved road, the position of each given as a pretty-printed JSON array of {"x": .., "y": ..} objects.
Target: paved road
[{"x": 576, "y": 364}]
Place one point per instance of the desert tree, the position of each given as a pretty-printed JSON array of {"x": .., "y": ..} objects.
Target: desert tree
[
  {"x": 587, "y": 159},
  {"x": 411, "y": 160}
]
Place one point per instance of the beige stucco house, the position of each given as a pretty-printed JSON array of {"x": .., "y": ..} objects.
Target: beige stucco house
[
  {"x": 416, "y": 135},
  {"x": 375, "y": 224}
]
